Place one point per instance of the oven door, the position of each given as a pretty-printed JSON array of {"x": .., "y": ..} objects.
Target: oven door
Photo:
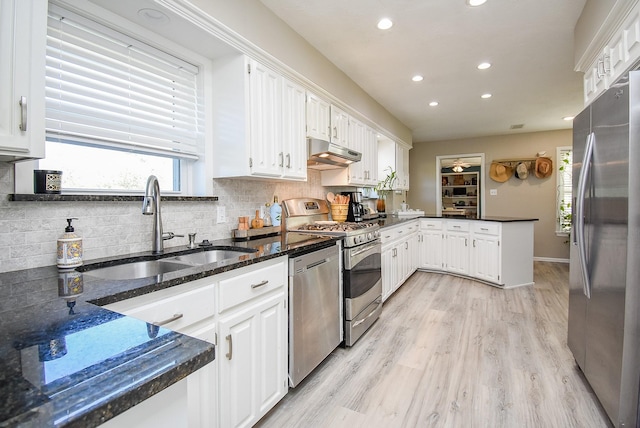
[{"x": 362, "y": 269}]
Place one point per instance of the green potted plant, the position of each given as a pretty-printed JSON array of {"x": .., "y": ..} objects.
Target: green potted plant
[{"x": 383, "y": 188}]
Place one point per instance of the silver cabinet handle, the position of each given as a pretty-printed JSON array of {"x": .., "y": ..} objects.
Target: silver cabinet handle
[
  {"x": 289, "y": 160},
  {"x": 280, "y": 155},
  {"x": 456, "y": 227},
  {"x": 23, "y": 113},
  {"x": 484, "y": 228},
  {"x": 406, "y": 245},
  {"x": 229, "y": 354},
  {"x": 465, "y": 242},
  {"x": 175, "y": 317},
  {"x": 335, "y": 132},
  {"x": 260, "y": 284},
  {"x": 474, "y": 243}
]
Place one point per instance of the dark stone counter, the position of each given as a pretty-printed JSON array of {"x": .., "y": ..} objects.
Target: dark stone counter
[
  {"x": 65, "y": 361},
  {"x": 392, "y": 221}
]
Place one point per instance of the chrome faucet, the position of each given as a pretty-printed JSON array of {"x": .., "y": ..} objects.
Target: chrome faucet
[{"x": 151, "y": 206}]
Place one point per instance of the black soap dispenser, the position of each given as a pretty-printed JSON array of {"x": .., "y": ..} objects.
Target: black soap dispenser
[{"x": 69, "y": 254}]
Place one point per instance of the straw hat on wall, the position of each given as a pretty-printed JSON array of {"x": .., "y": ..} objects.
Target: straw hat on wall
[
  {"x": 499, "y": 172},
  {"x": 544, "y": 167}
]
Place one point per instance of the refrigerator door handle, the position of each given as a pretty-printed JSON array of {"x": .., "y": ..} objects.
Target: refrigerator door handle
[{"x": 579, "y": 224}]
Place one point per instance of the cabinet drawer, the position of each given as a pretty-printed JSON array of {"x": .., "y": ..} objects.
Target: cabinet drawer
[
  {"x": 458, "y": 226},
  {"x": 431, "y": 224},
  {"x": 390, "y": 234},
  {"x": 246, "y": 286},
  {"x": 174, "y": 312},
  {"x": 487, "y": 228}
]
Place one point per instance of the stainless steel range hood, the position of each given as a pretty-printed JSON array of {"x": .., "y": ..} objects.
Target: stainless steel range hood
[{"x": 326, "y": 155}]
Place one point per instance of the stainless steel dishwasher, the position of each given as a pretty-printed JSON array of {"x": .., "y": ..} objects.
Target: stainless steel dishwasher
[{"x": 315, "y": 310}]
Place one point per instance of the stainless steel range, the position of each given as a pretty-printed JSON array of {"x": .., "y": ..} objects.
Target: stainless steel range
[{"x": 362, "y": 273}]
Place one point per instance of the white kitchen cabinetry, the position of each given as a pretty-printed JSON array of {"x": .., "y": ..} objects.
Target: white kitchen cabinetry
[
  {"x": 253, "y": 342},
  {"x": 399, "y": 255},
  {"x": 402, "y": 167},
  {"x": 23, "y": 32},
  {"x": 622, "y": 51},
  {"x": 243, "y": 312},
  {"x": 500, "y": 253},
  {"x": 258, "y": 122},
  {"x": 431, "y": 244},
  {"x": 485, "y": 253},
  {"x": 189, "y": 309},
  {"x": 339, "y": 127},
  {"x": 457, "y": 250},
  {"x": 362, "y": 139},
  {"x": 318, "y": 118}
]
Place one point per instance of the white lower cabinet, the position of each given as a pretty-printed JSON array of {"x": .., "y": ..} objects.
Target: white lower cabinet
[
  {"x": 457, "y": 250},
  {"x": 499, "y": 252},
  {"x": 244, "y": 313},
  {"x": 399, "y": 255},
  {"x": 431, "y": 244},
  {"x": 486, "y": 256}
]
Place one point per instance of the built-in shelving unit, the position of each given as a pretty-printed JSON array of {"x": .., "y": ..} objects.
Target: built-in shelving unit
[{"x": 460, "y": 194}]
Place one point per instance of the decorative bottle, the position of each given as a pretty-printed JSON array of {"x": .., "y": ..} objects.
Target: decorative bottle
[
  {"x": 69, "y": 254},
  {"x": 276, "y": 212}
]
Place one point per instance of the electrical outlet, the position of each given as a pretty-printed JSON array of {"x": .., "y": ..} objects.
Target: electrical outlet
[
  {"x": 493, "y": 192},
  {"x": 221, "y": 215}
]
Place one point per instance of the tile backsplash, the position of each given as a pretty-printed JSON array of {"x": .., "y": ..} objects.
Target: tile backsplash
[{"x": 29, "y": 230}]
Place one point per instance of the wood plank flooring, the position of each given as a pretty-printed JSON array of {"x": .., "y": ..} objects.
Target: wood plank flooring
[{"x": 452, "y": 352}]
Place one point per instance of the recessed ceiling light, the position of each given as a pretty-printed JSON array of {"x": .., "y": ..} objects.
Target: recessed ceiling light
[
  {"x": 484, "y": 66},
  {"x": 417, "y": 78},
  {"x": 568, "y": 118},
  {"x": 433, "y": 103},
  {"x": 154, "y": 16},
  {"x": 485, "y": 96},
  {"x": 385, "y": 24},
  {"x": 476, "y": 2}
]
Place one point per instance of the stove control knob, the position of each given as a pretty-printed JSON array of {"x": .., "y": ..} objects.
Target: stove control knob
[{"x": 369, "y": 236}]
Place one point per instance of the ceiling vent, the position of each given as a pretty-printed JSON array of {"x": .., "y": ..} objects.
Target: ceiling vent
[{"x": 517, "y": 126}]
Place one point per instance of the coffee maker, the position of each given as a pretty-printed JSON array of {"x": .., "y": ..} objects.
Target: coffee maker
[{"x": 356, "y": 210}]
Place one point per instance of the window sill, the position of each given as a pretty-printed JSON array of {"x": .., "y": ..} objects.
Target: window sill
[{"x": 101, "y": 198}]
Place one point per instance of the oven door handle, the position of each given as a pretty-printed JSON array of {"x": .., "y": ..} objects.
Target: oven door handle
[
  {"x": 357, "y": 323},
  {"x": 353, "y": 256}
]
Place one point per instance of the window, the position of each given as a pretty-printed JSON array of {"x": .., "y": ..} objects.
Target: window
[
  {"x": 117, "y": 109},
  {"x": 565, "y": 165}
]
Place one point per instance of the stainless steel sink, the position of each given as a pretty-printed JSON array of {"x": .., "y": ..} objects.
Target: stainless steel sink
[
  {"x": 145, "y": 269},
  {"x": 211, "y": 256},
  {"x": 136, "y": 270}
]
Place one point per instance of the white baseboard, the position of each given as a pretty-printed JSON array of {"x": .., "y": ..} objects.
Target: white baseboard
[{"x": 550, "y": 259}]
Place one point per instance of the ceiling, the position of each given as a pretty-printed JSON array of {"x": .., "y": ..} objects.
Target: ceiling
[{"x": 528, "y": 42}]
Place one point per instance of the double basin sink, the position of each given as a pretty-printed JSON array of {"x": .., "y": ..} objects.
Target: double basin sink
[{"x": 148, "y": 268}]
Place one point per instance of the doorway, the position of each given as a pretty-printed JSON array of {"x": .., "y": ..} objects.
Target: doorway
[{"x": 460, "y": 185}]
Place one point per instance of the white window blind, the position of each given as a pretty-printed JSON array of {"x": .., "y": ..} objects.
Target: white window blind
[
  {"x": 107, "y": 89},
  {"x": 564, "y": 202}
]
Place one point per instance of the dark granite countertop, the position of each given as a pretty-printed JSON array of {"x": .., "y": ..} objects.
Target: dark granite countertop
[
  {"x": 393, "y": 221},
  {"x": 65, "y": 361}
]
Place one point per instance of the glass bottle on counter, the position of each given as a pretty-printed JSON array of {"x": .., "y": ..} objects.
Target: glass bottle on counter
[{"x": 276, "y": 212}]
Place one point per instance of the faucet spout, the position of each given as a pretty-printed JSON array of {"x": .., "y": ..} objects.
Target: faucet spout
[{"x": 151, "y": 206}]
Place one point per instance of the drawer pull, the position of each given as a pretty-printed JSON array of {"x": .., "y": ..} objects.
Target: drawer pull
[
  {"x": 260, "y": 284},
  {"x": 456, "y": 227},
  {"x": 484, "y": 228},
  {"x": 175, "y": 317},
  {"x": 229, "y": 354}
]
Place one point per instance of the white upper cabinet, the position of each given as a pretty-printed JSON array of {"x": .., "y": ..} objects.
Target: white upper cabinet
[
  {"x": 258, "y": 122},
  {"x": 622, "y": 50},
  {"x": 402, "y": 167},
  {"x": 318, "y": 118},
  {"x": 339, "y": 127},
  {"x": 23, "y": 32},
  {"x": 395, "y": 156}
]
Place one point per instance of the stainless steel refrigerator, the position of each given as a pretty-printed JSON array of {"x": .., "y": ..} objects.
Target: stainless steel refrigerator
[{"x": 604, "y": 294}]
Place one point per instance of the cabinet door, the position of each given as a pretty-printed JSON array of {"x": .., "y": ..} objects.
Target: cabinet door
[
  {"x": 486, "y": 258},
  {"x": 294, "y": 144},
  {"x": 357, "y": 135},
  {"x": 253, "y": 361},
  {"x": 457, "y": 253},
  {"x": 339, "y": 127},
  {"x": 402, "y": 167},
  {"x": 431, "y": 249},
  {"x": 371, "y": 158},
  {"x": 202, "y": 385},
  {"x": 388, "y": 271},
  {"x": 23, "y": 31},
  {"x": 267, "y": 157},
  {"x": 318, "y": 118}
]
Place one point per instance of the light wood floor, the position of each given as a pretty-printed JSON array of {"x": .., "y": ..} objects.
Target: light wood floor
[{"x": 452, "y": 352}]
